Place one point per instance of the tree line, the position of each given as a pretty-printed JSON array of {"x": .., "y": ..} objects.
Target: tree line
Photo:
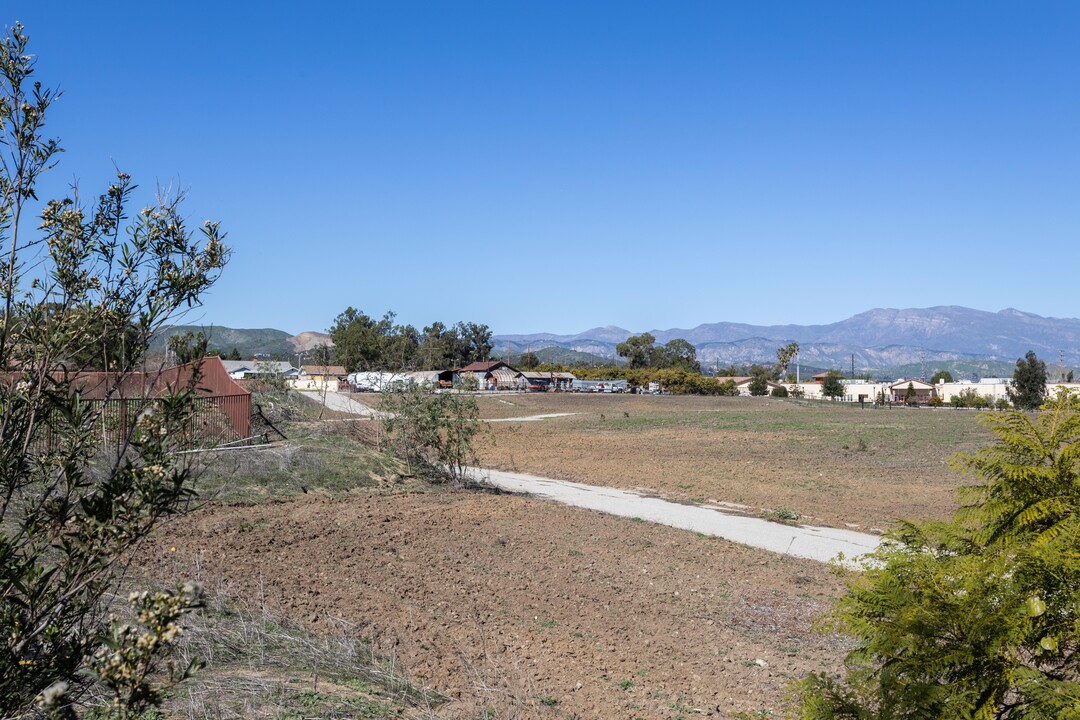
[
  {"x": 363, "y": 343},
  {"x": 641, "y": 351}
]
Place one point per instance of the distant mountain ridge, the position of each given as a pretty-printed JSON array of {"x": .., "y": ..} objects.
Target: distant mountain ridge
[
  {"x": 879, "y": 339},
  {"x": 879, "y": 342}
]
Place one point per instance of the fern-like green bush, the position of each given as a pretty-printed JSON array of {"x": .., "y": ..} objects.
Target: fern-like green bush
[{"x": 978, "y": 617}]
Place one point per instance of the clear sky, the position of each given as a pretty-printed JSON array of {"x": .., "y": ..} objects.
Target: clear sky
[{"x": 554, "y": 166}]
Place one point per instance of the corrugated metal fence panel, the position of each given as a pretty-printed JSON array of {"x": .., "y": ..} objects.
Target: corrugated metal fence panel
[
  {"x": 221, "y": 412},
  {"x": 213, "y": 420}
]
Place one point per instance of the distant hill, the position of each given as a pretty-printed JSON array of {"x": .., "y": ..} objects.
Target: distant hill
[
  {"x": 249, "y": 343},
  {"x": 307, "y": 341},
  {"x": 880, "y": 342},
  {"x": 561, "y": 356}
]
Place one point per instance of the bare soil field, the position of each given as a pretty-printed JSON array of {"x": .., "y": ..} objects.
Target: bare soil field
[{"x": 520, "y": 608}]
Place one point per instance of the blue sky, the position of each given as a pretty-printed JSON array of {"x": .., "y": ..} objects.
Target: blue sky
[{"x": 561, "y": 165}]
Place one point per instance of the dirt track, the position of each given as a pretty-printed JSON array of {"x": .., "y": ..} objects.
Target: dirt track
[{"x": 507, "y": 602}]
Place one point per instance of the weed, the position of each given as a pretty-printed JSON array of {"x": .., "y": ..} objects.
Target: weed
[
  {"x": 782, "y": 514},
  {"x": 260, "y": 524},
  {"x": 548, "y": 701},
  {"x": 626, "y": 684}
]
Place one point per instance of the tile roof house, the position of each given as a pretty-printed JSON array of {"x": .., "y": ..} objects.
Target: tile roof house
[
  {"x": 323, "y": 372},
  {"x": 923, "y": 391}
]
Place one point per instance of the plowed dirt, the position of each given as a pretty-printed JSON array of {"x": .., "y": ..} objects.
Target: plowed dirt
[{"x": 522, "y": 606}]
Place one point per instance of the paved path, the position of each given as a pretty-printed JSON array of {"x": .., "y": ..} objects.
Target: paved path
[
  {"x": 342, "y": 402},
  {"x": 806, "y": 541},
  {"x": 531, "y": 418}
]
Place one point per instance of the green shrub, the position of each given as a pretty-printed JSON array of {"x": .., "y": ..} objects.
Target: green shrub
[
  {"x": 432, "y": 431},
  {"x": 978, "y": 617},
  {"x": 728, "y": 387},
  {"x": 759, "y": 386}
]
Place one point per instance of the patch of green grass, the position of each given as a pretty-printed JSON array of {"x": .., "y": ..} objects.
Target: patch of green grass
[
  {"x": 781, "y": 514},
  {"x": 260, "y": 524}
]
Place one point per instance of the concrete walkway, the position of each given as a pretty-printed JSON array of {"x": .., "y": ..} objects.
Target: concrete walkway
[
  {"x": 341, "y": 402},
  {"x": 531, "y": 418},
  {"x": 806, "y": 541}
]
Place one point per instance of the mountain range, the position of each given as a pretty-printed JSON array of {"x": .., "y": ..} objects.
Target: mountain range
[
  {"x": 880, "y": 342},
  {"x": 876, "y": 341}
]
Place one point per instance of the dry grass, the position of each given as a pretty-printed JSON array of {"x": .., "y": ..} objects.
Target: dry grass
[
  {"x": 834, "y": 464},
  {"x": 261, "y": 666}
]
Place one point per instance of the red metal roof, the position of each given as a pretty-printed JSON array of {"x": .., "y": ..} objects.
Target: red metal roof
[{"x": 487, "y": 366}]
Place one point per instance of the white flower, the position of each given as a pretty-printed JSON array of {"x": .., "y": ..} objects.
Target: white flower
[{"x": 52, "y": 695}]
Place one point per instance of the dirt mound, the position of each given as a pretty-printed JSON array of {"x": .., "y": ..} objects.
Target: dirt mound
[
  {"x": 310, "y": 340},
  {"x": 511, "y": 603}
]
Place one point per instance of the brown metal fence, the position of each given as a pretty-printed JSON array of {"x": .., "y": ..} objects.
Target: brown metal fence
[
  {"x": 220, "y": 411},
  {"x": 211, "y": 421}
]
